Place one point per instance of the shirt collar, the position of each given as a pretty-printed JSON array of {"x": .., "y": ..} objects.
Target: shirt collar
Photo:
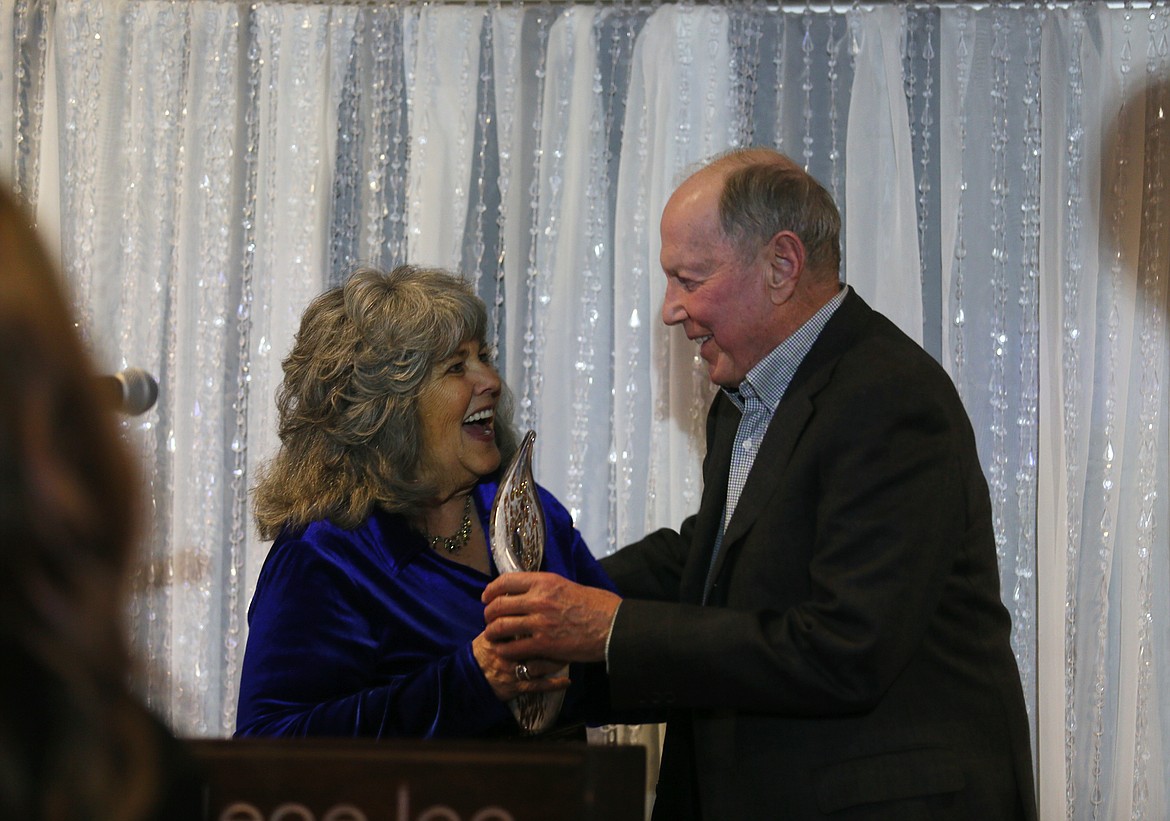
[{"x": 770, "y": 377}]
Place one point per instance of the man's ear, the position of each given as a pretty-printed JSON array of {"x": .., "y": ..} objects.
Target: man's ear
[{"x": 786, "y": 258}]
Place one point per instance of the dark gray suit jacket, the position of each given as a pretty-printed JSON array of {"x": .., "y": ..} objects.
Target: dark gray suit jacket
[{"x": 853, "y": 659}]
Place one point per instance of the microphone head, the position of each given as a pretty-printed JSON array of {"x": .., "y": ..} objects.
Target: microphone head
[{"x": 138, "y": 391}]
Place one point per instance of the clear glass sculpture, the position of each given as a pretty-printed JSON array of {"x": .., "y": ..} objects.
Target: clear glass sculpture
[{"x": 518, "y": 534}]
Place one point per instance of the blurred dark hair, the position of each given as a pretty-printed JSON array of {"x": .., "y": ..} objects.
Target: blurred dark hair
[{"x": 73, "y": 744}]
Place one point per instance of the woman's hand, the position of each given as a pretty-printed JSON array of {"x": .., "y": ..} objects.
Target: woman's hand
[{"x": 509, "y": 679}]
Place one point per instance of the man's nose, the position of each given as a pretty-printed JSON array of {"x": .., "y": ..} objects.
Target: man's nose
[{"x": 672, "y": 308}]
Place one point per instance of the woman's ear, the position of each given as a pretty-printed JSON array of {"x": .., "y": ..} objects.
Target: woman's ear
[{"x": 786, "y": 257}]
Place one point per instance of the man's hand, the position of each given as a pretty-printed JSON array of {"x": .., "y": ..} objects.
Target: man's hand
[{"x": 543, "y": 615}]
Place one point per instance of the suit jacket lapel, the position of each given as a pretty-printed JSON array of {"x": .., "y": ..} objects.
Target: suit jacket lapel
[
  {"x": 723, "y": 421},
  {"x": 771, "y": 459},
  {"x": 789, "y": 422}
]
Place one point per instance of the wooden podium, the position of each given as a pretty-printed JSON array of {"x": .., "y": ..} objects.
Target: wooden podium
[{"x": 326, "y": 780}]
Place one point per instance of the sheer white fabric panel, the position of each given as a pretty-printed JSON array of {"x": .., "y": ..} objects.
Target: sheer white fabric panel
[
  {"x": 988, "y": 209},
  {"x": 1067, "y": 402},
  {"x": 882, "y": 225},
  {"x": 519, "y": 38},
  {"x": 289, "y": 122},
  {"x": 574, "y": 281},
  {"x": 208, "y": 498},
  {"x": 635, "y": 262},
  {"x": 679, "y": 103},
  {"x": 1103, "y": 376},
  {"x": 1001, "y": 173},
  {"x": 441, "y": 90}
]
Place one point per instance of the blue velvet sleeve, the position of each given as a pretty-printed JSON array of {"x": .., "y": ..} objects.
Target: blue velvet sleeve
[
  {"x": 367, "y": 633},
  {"x": 335, "y": 650}
]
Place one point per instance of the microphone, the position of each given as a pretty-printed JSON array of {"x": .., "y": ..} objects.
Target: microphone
[{"x": 132, "y": 391}]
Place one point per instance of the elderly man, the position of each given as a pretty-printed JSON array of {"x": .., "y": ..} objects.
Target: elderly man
[{"x": 825, "y": 634}]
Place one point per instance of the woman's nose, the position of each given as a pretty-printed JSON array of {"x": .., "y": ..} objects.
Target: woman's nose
[{"x": 489, "y": 379}]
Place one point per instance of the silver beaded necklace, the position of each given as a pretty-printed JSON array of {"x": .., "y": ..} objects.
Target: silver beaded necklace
[{"x": 458, "y": 540}]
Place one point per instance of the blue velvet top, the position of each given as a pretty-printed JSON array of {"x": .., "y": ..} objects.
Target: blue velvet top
[{"x": 367, "y": 632}]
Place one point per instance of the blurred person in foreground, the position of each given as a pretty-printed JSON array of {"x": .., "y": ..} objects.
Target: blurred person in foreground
[
  {"x": 74, "y": 743},
  {"x": 826, "y": 632},
  {"x": 367, "y": 618}
]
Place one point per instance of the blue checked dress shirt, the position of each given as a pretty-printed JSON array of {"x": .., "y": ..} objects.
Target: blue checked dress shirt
[{"x": 757, "y": 398}]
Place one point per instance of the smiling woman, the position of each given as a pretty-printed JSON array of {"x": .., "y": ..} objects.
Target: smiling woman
[
  {"x": 367, "y": 619},
  {"x": 457, "y": 408}
]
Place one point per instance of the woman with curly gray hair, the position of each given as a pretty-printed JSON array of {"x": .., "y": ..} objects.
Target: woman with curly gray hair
[{"x": 367, "y": 619}]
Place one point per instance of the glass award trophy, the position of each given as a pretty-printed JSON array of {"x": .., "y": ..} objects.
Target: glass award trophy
[{"x": 518, "y": 534}]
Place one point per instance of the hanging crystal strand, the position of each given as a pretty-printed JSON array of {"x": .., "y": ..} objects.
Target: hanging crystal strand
[
  {"x": 854, "y": 25},
  {"x": 238, "y": 534},
  {"x": 345, "y": 227},
  {"x": 755, "y": 34},
  {"x": 685, "y": 30},
  {"x": 926, "y": 120},
  {"x": 712, "y": 101},
  {"x": 687, "y": 483},
  {"x": 699, "y": 106},
  {"x": 622, "y": 453},
  {"x": 397, "y": 106},
  {"x": 554, "y": 165},
  {"x": 151, "y": 611},
  {"x": 82, "y": 23},
  {"x": 1152, "y": 299},
  {"x": 31, "y": 45},
  {"x": 611, "y": 478},
  {"x": 806, "y": 84},
  {"x": 1023, "y": 574},
  {"x": 690, "y": 108},
  {"x": 736, "y": 23},
  {"x": 660, "y": 366},
  {"x": 383, "y": 219},
  {"x": 505, "y": 115},
  {"x": 589, "y": 317},
  {"x": 778, "y": 62},
  {"x": 621, "y": 49},
  {"x": 204, "y": 412},
  {"x": 1071, "y": 374},
  {"x": 913, "y": 23},
  {"x": 745, "y": 33},
  {"x": 530, "y": 381},
  {"x": 136, "y": 154},
  {"x": 484, "y": 121},
  {"x": 832, "y": 54},
  {"x": 854, "y": 21},
  {"x": 139, "y": 142},
  {"x": 154, "y": 88},
  {"x": 192, "y": 694},
  {"x": 963, "y": 78},
  {"x": 621, "y": 45},
  {"x": 997, "y": 470},
  {"x": 910, "y": 26},
  {"x": 1106, "y": 529}
]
